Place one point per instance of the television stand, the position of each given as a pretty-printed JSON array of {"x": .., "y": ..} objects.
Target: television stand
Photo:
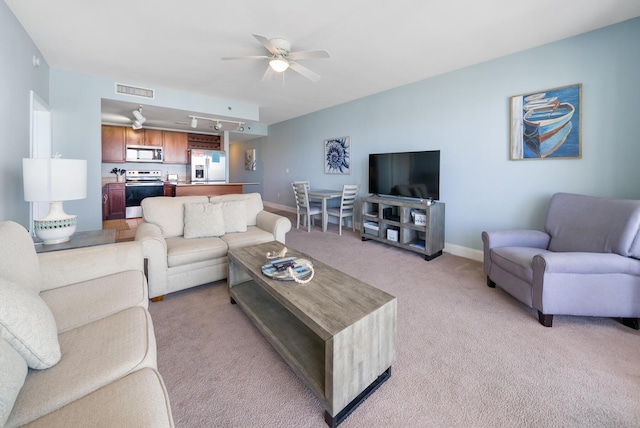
[{"x": 400, "y": 228}]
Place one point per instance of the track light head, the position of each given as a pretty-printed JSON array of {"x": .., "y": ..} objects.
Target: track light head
[
  {"x": 217, "y": 126},
  {"x": 140, "y": 119},
  {"x": 136, "y": 125},
  {"x": 194, "y": 123},
  {"x": 240, "y": 127}
]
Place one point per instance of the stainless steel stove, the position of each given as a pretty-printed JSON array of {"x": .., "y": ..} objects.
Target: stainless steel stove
[{"x": 140, "y": 185}]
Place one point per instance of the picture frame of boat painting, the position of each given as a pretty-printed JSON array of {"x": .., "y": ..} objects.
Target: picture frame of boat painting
[{"x": 546, "y": 124}]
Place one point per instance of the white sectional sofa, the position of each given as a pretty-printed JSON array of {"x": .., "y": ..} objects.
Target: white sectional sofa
[
  {"x": 186, "y": 238},
  {"x": 77, "y": 346}
]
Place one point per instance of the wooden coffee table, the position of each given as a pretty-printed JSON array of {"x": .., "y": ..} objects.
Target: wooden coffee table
[{"x": 337, "y": 333}]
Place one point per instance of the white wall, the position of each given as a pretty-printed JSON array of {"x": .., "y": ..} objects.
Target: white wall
[
  {"x": 18, "y": 77},
  {"x": 465, "y": 114}
]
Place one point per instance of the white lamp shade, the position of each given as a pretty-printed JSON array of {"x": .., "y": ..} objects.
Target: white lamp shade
[{"x": 54, "y": 179}]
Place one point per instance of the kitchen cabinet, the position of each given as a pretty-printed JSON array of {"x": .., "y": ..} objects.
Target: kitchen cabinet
[
  {"x": 143, "y": 137},
  {"x": 153, "y": 137},
  {"x": 174, "y": 147},
  {"x": 113, "y": 201},
  {"x": 113, "y": 143}
]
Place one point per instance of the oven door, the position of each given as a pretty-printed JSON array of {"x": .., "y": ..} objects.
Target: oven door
[{"x": 136, "y": 192}]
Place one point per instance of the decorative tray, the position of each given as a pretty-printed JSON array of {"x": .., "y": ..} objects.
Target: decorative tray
[{"x": 279, "y": 268}]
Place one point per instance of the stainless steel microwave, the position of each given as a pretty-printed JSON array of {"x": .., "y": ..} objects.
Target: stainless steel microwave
[{"x": 144, "y": 154}]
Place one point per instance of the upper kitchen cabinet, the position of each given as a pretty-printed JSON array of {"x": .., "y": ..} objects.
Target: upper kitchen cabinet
[
  {"x": 143, "y": 137},
  {"x": 113, "y": 143},
  {"x": 152, "y": 137},
  {"x": 174, "y": 147}
]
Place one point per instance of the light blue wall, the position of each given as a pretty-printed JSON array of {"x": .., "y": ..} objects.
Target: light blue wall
[
  {"x": 465, "y": 114},
  {"x": 18, "y": 77}
]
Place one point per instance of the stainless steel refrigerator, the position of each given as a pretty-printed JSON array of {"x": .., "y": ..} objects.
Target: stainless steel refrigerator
[{"x": 207, "y": 166}]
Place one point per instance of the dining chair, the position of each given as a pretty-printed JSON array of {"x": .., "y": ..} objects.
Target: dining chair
[
  {"x": 303, "y": 207},
  {"x": 347, "y": 206}
]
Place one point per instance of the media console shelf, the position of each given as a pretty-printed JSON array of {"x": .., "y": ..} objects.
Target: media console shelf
[{"x": 381, "y": 214}]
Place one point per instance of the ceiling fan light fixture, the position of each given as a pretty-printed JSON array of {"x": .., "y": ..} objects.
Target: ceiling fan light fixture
[
  {"x": 279, "y": 64},
  {"x": 194, "y": 123}
]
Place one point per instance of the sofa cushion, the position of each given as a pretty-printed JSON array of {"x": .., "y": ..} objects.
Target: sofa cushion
[
  {"x": 168, "y": 212},
  {"x": 84, "y": 302},
  {"x": 253, "y": 201},
  {"x": 203, "y": 220},
  {"x": 235, "y": 216},
  {"x": 13, "y": 371},
  {"x": 181, "y": 251},
  {"x": 253, "y": 235},
  {"x": 28, "y": 325},
  {"x": 94, "y": 355},
  {"x": 137, "y": 400},
  {"x": 19, "y": 261}
]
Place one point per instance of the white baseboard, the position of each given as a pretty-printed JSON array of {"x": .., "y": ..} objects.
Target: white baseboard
[
  {"x": 469, "y": 253},
  {"x": 456, "y": 250}
]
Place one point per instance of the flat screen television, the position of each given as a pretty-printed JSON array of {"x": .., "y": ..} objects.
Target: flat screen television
[{"x": 406, "y": 174}]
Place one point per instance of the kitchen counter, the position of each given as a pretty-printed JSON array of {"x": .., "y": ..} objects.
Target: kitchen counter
[{"x": 207, "y": 189}]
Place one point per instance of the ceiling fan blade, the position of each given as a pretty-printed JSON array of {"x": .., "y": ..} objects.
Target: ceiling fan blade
[
  {"x": 268, "y": 74},
  {"x": 246, "y": 57},
  {"x": 309, "y": 54},
  {"x": 304, "y": 71},
  {"x": 266, "y": 43}
]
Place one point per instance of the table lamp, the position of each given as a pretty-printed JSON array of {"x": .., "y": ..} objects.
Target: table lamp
[{"x": 54, "y": 180}]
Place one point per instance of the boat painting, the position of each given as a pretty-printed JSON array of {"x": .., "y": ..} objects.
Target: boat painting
[{"x": 546, "y": 124}]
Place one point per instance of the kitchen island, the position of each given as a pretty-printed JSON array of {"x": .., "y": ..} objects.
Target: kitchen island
[{"x": 206, "y": 189}]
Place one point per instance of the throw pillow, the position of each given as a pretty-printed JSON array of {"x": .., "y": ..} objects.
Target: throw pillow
[
  {"x": 13, "y": 371},
  {"x": 27, "y": 324},
  {"x": 235, "y": 216},
  {"x": 203, "y": 220}
]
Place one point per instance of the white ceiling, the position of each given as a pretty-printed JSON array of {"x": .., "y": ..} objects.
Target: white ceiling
[{"x": 374, "y": 46}]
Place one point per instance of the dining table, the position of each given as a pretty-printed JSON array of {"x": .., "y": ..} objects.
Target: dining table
[{"x": 324, "y": 195}]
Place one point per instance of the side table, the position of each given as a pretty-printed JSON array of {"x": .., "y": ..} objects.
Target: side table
[{"x": 79, "y": 240}]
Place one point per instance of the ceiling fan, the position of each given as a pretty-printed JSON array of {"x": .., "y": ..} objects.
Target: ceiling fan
[{"x": 281, "y": 58}]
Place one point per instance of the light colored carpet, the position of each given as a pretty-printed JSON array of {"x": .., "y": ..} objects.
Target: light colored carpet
[{"x": 468, "y": 355}]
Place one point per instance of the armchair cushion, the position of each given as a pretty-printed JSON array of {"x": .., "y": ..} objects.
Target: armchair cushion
[
  {"x": 203, "y": 220},
  {"x": 28, "y": 325},
  {"x": 591, "y": 224}
]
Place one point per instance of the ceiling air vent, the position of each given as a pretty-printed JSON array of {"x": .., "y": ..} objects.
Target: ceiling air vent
[{"x": 134, "y": 91}]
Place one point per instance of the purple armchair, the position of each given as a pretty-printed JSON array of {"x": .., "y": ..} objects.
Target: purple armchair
[{"x": 585, "y": 263}]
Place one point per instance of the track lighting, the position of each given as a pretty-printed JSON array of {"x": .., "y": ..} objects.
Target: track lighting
[
  {"x": 279, "y": 64},
  {"x": 219, "y": 122},
  {"x": 136, "y": 125}
]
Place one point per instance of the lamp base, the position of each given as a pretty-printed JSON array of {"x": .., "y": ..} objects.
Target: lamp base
[{"x": 57, "y": 226}]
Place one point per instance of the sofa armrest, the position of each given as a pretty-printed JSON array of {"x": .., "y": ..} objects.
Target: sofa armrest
[
  {"x": 276, "y": 224},
  {"x": 515, "y": 238},
  {"x": 60, "y": 268},
  {"x": 512, "y": 238},
  {"x": 154, "y": 248}
]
